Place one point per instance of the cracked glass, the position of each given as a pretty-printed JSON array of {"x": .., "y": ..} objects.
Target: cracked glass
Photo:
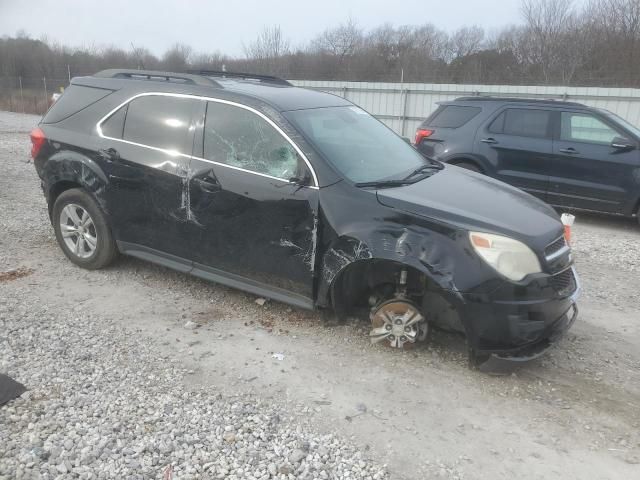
[{"x": 238, "y": 137}]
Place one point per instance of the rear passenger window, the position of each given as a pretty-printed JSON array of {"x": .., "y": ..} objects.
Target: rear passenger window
[
  {"x": 522, "y": 122},
  {"x": 453, "y": 116},
  {"x": 160, "y": 121},
  {"x": 113, "y": 126},
  {"x": 238, "y": 137}
]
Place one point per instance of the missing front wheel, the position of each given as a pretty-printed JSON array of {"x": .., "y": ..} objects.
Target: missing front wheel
[{"x": 399, "y": 323}]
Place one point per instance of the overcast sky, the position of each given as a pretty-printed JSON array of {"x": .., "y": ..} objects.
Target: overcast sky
[{"x": 225, "y": 25}]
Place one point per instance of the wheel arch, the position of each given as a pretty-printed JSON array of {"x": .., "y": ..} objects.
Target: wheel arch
[
  {"x": 66, "y": 169},
  {"x": 457, "y": 159},
  {"x": 350, "y": 265}
]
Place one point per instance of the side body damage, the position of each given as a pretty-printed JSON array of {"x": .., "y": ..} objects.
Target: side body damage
[{"x": 310, "y": 237}]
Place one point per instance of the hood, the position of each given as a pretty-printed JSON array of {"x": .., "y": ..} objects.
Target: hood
[{"x": 476, "y": 202}]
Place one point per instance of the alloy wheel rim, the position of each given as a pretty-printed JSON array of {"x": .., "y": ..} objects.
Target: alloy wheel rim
[{"x": 78, "y": 231}]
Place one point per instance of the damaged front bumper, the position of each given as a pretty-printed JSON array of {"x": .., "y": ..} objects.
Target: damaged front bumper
[{"x": 512, "y": 327}]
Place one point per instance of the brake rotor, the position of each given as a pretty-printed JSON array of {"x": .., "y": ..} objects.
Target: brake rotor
[{"x": 399, "y": 323}]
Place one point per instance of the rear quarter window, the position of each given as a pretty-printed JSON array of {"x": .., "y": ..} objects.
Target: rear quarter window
[
  {"x": 452, "y": 116},
  {"x": 74, "y": 99}
]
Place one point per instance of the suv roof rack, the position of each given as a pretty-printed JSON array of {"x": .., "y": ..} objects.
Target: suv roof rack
[
  {"x": 158, "y": 76},
  {"x": 243, "y": 76},
  {"x": 489, "y": 98}
]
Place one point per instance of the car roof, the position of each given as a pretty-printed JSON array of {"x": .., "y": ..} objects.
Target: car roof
[
  {"x": 277, "y": 92},
  {"x": 530, "y": 101},
  {"x": 284, "y": 97}
]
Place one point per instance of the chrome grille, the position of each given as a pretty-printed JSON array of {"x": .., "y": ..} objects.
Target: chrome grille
[
  {"x": 564, "y": 283},
  {"x": 555, "y": 246}
]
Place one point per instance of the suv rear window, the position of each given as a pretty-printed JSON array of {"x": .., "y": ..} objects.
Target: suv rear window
[
  {"x": 453, "y": 116},
  {"x": 159, "y": 121},
  {"x": 74, "y": 99},
  {"x": 522, "y": 122}
]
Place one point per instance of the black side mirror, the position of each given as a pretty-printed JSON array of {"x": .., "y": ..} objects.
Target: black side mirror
[
  {"x": 302, "y": 180},
  {"x": 621, "y": 143}
]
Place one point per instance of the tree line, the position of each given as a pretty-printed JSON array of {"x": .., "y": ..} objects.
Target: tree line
[{"x": 556, "y": 43}]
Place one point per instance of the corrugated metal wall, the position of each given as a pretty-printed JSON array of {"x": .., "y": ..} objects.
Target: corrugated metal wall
[{"x": 403, "y": 106}]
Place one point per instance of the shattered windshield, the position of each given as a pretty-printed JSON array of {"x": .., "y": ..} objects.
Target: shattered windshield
[{"x": 359, "y": 146}]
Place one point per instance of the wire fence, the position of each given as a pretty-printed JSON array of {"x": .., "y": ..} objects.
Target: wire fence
[
  {"x": 29, "y": 94},
  {"x": 401, "y": 105}
]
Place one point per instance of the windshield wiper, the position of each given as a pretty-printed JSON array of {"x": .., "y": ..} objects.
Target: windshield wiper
[
  {"x": 384, "y": 183},
  {"x": 423, "y": 169}
]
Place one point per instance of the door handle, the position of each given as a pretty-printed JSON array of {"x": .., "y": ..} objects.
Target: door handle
[
  {"x": 109, "y": 154},
  {"x": 569, "y": 151},
  {"x": 490, "y": 141},
  {"x": 208, "y": 186}
]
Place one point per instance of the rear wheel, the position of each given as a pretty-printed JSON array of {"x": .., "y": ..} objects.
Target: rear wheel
[
  {"x": 468, "y": 166},
  {"x": 82, "y": 230}
]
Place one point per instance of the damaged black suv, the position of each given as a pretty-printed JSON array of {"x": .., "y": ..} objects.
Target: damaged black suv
[{"x": 303, "y": 197}]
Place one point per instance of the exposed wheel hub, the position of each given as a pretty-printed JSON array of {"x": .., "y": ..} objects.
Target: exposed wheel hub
[{"x": 399, "y": 322}]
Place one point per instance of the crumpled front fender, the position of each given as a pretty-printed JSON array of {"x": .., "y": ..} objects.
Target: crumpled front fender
[{"x": 429, "y": 252}]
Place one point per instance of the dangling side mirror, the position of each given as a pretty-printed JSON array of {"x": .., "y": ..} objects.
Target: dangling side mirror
[{"x": 303, "y": 180}]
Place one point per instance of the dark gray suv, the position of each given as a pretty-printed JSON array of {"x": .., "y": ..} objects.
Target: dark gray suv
[{"x": 567, "y": 154}]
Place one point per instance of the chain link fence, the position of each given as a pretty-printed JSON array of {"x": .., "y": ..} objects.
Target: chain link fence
[{"x": 29, "y": 94}]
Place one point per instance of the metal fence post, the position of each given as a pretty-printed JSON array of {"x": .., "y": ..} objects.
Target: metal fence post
[
  {"x": 21, "y": 94},
  {"x": 46, "y": 95},
  {"x": 404, "y": 112}
]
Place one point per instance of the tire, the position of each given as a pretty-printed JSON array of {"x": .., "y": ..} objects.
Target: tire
[
  {"x": 86, "y": 239},
  {"x": 469, "y": 166}
]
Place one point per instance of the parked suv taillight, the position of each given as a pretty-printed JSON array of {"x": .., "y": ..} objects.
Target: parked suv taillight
[
  {"x": 37, "y": 141},
  {"x": 423, "y": 133}
]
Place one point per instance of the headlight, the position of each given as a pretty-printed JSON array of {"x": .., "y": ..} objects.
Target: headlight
[{"x": 509, "y": 257}]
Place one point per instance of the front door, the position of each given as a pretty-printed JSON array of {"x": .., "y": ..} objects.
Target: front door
[
  {"x": 253, "y": 207},
  {"x": 587, "y": 171},
  {"x": 517, "y": 145}
]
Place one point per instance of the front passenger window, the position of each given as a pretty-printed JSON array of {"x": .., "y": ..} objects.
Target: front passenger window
[
  {"x": 240, "y": 138},
  {"x": 579, "y": 127}
]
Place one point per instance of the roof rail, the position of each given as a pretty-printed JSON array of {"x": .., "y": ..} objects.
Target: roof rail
[
  {"x": 532, "y": 99},
  {"x": 158, "y": 76},
  {"x": 243, "y": 76}
]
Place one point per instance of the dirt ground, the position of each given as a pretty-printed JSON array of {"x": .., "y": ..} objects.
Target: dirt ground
[{"x": 573, "y": 414}]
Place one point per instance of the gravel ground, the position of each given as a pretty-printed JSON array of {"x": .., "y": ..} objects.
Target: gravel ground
[{"x": 136, "y": 368}]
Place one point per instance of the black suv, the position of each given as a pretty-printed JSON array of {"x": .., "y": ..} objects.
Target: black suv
[
  {"x": 303, "y": 197},
  {"x": 566, "y": 154}
]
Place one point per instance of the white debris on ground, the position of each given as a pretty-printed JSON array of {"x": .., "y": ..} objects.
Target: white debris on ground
[{"x": 105, "y": 404}]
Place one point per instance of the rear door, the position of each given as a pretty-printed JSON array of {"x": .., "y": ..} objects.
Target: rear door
[
  {"x": 252, "y": 221},
  {"x": 517, "y": 144},
  {"x": 587, "y": 171},
  {"x": 146, "y": 146}
]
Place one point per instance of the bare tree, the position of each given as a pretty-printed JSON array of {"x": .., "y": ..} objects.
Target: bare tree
[
  {"x": 466, "y": 41},
  {"x": 269, "y": 44},
  {"x": 548, "y": 24},
  {"x": 341, "y": 41},
  {"x": 557, "y": 43},
  {"x": 177, "y": 57}
]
